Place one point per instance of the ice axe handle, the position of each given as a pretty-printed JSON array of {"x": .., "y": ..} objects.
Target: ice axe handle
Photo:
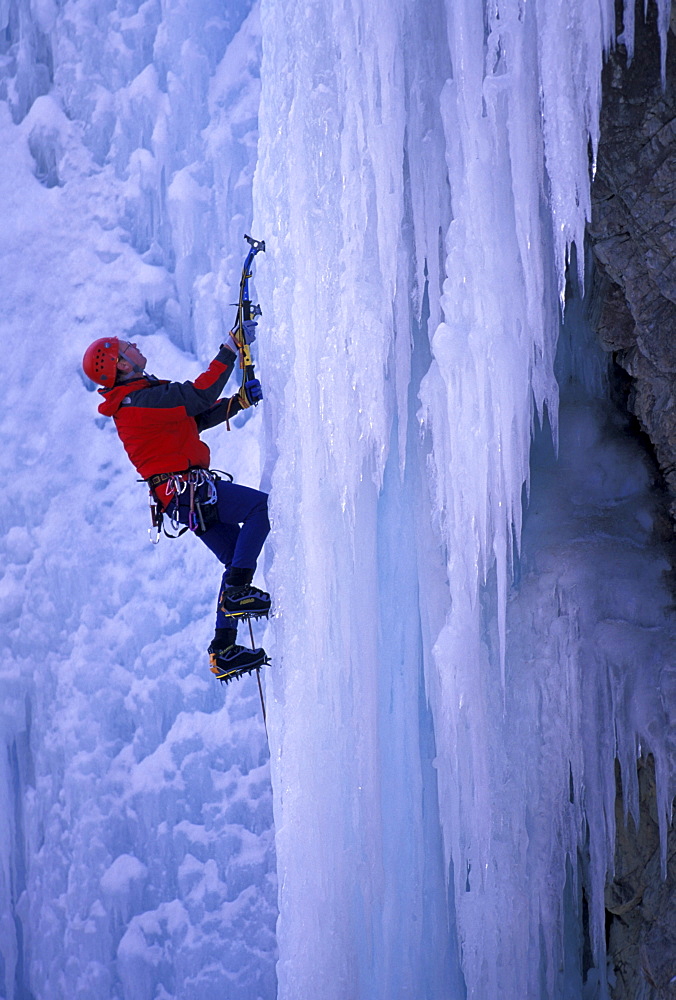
[{"x": 249, "y": 310}]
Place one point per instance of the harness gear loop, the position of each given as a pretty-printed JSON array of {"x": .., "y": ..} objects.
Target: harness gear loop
[{"x": 195, "y": 480}]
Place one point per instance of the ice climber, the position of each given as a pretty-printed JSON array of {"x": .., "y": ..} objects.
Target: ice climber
[{"x": 159, "y": 424}]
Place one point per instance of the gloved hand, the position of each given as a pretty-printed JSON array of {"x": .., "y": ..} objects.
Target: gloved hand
[
  {"x": 250, "y": 393},
  {"x": 250, "y": 330},
  {"x": 254, "y": 390},
  {"x": 249, "y": 326}
]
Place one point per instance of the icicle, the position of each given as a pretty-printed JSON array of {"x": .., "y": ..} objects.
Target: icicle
[
  {"x": 663, "y": 19},
  {"x": 627, "y": 36}
]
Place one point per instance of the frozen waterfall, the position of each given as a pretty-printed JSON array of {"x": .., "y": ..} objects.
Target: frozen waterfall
[
  {"x": 421, "y": 197},
  {"x": 471, "y": 620}
]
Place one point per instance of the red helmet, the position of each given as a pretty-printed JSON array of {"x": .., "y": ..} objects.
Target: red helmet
[{"x": 100, "y": 361}]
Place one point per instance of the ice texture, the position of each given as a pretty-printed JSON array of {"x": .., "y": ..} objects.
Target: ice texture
[
  {"x": 423, "y": 173},
  {"x": 470, "y": 621}
]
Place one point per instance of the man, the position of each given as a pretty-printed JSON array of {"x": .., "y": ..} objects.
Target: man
[{"x": 159, "y": 424}]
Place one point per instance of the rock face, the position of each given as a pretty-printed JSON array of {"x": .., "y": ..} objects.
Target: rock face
[
  {"x": 633, "y": 240},
  {"x": 633, "y": 232},
  {"x": 640, "y": 903}
]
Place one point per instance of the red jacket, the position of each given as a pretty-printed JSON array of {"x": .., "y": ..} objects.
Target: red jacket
[{"x": 159, "y": 422}]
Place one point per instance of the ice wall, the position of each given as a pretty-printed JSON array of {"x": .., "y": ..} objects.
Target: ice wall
[{"x": 423, "y": 171}]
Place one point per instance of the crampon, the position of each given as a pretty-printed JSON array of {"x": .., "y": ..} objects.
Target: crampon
[{"x": 235, "y": 661}]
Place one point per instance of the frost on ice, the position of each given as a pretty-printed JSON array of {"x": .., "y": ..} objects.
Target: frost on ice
[{"x": 470, "y": 623}]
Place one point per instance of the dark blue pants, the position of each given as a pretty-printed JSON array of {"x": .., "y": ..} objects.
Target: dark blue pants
[{"x": 237, "y": 538}]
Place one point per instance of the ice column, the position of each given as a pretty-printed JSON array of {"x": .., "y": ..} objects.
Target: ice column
[{"x": 335, "y": 203}]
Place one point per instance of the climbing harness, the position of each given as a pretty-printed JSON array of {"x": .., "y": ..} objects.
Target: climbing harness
[
  {"x": 246, "y": 310},
  {"x": 200, "y": 485}
]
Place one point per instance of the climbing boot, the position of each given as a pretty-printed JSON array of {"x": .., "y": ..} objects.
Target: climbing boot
[
  {"x": 244, "y": 601},
  {"x": 235, "y": 661}
]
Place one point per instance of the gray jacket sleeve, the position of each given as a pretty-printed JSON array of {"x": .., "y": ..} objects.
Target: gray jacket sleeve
[
  {"x": 196, "y": 397},
  {"x": 223, "y": 410}
]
